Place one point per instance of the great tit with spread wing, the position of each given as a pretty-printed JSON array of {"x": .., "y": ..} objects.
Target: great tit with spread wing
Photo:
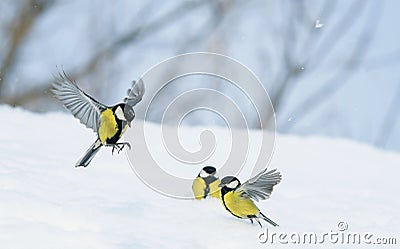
[
  {"x": 109, "y": 122},
  {"x": 238, "y": 198}
]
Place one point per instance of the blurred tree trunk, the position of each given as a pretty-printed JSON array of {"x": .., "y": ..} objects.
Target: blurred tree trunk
[{"x": 18, "y": 29}]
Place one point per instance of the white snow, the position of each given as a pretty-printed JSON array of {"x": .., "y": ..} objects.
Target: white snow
[{"x": 45, "y": 202}]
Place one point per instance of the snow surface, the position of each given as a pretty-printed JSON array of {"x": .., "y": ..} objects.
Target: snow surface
[{"x": 45, "y": 202}]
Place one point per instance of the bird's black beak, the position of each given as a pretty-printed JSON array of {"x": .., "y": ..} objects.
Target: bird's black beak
[
  {"x": 129, "y": 124},
  {"x": 221, "y": 185}
]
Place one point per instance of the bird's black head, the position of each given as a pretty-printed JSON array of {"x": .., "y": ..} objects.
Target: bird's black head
[
  {"x": 124, "y": 112},
  {"x": 229, "y": 183},
  {"x": 207, "y": 171},
  {"x": 129, "y": 113}
]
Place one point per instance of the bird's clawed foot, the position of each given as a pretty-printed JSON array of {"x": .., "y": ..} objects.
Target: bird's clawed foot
[
  {"x": 258, "y": 220},
  {"x": 119, "y": 147}
]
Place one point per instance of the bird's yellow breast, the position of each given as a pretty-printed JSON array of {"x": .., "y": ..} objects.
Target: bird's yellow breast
[
  {"x": 198, "y": 187},
  {"x": 215, "y": 191},
  {"x": 124, "y": 129},
  {"x": 239, "y": 206},
  {"x": 108, "y": 125}
]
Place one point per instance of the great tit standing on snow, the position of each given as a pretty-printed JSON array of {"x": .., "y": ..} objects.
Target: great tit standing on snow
[
  {"x": 238, "y": 198},
  {"x": 109, "y": 122},
  {"x": 206, "y": 183}
]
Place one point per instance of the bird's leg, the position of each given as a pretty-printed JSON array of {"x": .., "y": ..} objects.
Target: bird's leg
[
  {"x": 118, "y": 146},
  {"x": 113, "y": 148},
  {"x": 258, "y": 220}
]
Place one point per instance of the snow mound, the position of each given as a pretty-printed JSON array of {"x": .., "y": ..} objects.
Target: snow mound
[{"x": 48, "y": 203}]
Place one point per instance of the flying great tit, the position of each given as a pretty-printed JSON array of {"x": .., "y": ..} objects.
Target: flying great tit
[
  {"x": 109, "y": 122},
  {"x": 206, "y": 183},
  {"x": 238, "y": 198}
]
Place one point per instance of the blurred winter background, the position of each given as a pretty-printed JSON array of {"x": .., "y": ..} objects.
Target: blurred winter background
[{"x": 330, "y": 67}]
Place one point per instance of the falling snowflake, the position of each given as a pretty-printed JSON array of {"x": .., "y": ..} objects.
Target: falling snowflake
[{"x": 318, "y": 24}]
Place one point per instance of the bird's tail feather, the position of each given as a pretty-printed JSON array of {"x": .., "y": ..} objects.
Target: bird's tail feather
[
  {"x": 268, "y": 220},
  {"x": 89, "y": 154}
]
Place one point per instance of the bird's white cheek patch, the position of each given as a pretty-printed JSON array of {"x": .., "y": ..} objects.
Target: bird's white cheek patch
[
  {"x": 203, "y": 174},
  {"x": 120, "y": 114},
  {"x": 232, "y": 184}
]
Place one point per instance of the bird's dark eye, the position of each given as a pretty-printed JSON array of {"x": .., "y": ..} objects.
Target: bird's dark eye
[{"x": 129, "y": 113}]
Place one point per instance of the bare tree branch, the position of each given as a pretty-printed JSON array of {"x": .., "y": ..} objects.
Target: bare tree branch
[
  {"x": 19, "y": 28},
  {"x": 130, "y": 37},
  {"x": 141, "y": 33},
  {"x": 290, "y": 68},
  {"x": 326, "y": 47},
  {"x": 219, "y": 10},
  {"x": 289, "y": 64},
  {"x": 342, "y": 27},
  {"x": 341, "y": 77}
]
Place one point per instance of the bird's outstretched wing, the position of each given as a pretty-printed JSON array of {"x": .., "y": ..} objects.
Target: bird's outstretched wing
[
  {"x": 81, "y": 105},
  {"x": 260, "y": 186},
  {"x": 135, "y": 93}
]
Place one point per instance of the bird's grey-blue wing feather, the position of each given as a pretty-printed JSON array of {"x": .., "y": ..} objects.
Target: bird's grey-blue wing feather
[
  {"x": 260, "y": 186},
  {"x": 82, "y": 106},
  {"x": 135, "y": 93}
]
